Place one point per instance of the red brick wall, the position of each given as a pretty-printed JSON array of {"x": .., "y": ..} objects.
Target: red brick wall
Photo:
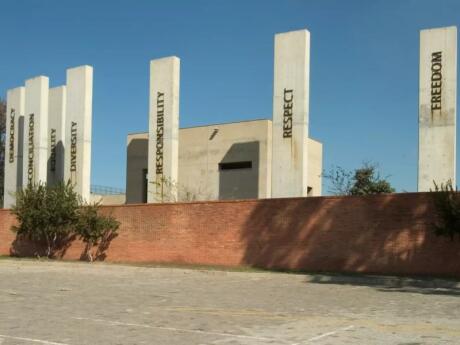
[{"x": 389, "y": 234}]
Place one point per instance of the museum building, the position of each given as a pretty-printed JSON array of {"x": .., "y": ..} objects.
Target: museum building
[{"x": 218, "y": 162}]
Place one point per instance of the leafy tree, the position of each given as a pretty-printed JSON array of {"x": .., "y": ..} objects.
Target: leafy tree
[
  {"x": 447, "y": 206},
  {"x": 362, "y": 181},
  {"x": 54, "y": 216},
  {"x": 46, "y": 215},
  {"x": 94, "y": 228},
  {"x": 2, "y": 147},
  {"x": 340, "y": 181},
  {"x": 367, "y": 180}
]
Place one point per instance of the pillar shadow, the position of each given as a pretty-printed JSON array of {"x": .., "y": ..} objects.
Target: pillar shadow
[
  {"x": 19, "y": 170},
  {"x": 382, "y": 234},
  {"x": 136, "y": 164},
  {"x": 55, "y": 165}
]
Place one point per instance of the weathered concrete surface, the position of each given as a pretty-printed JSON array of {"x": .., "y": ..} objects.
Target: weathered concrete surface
[
  {"x": 437, "y": 107},
  {"x": 36, "y": 130},
  {"x": 203, "y": 148},
  {"x": 56, "y": 134},
  {"x": 15, "y": 100},
  {"x": 290, "y": 114},
  {"x": 163, "y": 129},
  {"x": 79, "y": 110},
  {"x": 74, "y": 303}
]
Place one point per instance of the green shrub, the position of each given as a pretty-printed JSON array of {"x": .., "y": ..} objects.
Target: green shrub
[
  {"x": 362, "y": 181},
  {"x": 447, "y": 206},
  {"x": 94, "y": 228},
  {"x": 46, "y": 215},
  {"x": 54, "y": 216}
]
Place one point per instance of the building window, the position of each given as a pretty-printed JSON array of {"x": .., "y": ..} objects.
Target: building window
[{"x": 235, "y": 165}]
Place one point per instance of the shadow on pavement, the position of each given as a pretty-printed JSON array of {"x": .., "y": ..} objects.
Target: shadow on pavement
[{"x": 421, "y": 285}]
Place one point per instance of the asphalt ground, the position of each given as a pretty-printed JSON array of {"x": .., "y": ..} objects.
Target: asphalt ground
[{"x": 70, "y": 303}]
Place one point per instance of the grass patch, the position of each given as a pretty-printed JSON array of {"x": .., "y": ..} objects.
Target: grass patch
[
  {"x": 26, "y": 258},
  {"x": 328, "y": 276},
  {"x": 188, "y": 266},
  {"x": 142, "y": 264}
]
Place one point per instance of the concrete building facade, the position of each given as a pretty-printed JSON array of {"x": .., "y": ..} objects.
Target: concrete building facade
[{"x": 218, "y": 162}]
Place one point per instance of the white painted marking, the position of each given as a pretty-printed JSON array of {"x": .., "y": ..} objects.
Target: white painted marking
[
  {"x": 222, "y": 341},
  {"x": 244, "y": 280},
  {"x": 45, "y": 342},
  {"x": 117, "y": 323},
  {"x": 324, "y": 335}
]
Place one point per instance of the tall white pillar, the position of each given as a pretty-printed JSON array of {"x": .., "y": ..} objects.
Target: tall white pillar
[
  {"x": 290, "y": 114},
  {"x": 163, "y": 153},
  {"x": 437, "y": 107},
  {"x": 36, "y": 131},
  {"x": 77, "y": 165},
  {"x": 56, "y": 134},
  {"x": 15, "y": 100}
]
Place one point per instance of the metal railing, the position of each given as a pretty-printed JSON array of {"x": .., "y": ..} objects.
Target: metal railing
[{"x": 105, "y": 190}]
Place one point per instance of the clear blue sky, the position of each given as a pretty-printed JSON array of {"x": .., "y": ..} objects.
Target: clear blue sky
[{"x": 364, "y": 67}]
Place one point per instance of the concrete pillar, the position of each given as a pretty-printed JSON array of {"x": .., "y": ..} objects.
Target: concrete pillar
[
  {"x": 56, "y": 134},
  {"x": 36, "y": 131},
  {"x": 77, "y": 164},
  {"x": 290, "y": 114},
  {"x": 15, "y": 103},
  {"x": 437, "y": 107},
  {"x": 163, "y": 154}
]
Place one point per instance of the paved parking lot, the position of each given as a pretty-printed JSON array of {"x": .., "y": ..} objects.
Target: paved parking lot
[{"x": 57, "y": 303}]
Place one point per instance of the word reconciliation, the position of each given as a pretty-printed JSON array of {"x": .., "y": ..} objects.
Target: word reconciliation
[{"x": 160, "y": 132}]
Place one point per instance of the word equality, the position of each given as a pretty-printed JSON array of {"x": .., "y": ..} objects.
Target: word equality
[{"x": 53, "y": 150}]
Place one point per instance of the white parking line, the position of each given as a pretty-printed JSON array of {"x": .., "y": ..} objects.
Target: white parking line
[
  {"x": 44, "y": 342},
  {"x": 173, "y": 329},
  {"x": 324, "y": 335}
]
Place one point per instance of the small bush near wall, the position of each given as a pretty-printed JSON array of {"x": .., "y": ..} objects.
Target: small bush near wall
[
  {"x": 447, "y": 203},
  {"x": 53, "y": 216},
  {"x": 46, "y": 215},
  {"x": 95, "y": 229}
]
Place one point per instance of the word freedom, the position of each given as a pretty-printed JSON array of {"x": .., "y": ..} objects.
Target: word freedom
[
  {"x": 436, "y": 80},
  {"x": 160, "y": 132},
  {"x": 287, "y": 114}
]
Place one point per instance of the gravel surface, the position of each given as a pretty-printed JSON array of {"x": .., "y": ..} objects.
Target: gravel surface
[{"x": 68, "y": 303}]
